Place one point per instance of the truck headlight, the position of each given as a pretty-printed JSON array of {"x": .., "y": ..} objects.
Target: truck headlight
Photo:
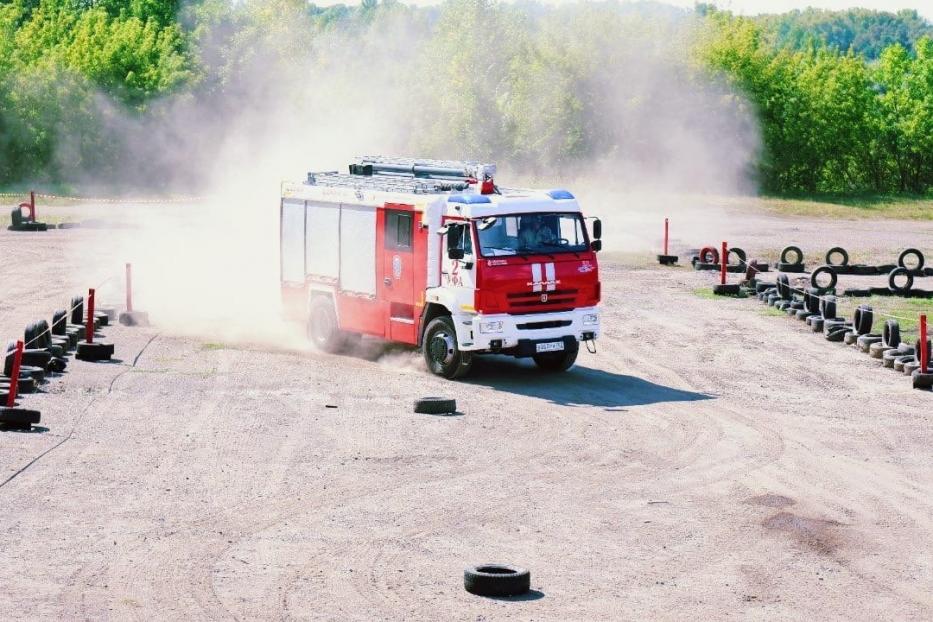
[
  {"x": 590, "y": 319},
  {"x": 490, "y": 327}
]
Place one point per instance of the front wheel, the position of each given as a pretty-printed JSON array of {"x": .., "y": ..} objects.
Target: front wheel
[
  {"x": 441, "y": 352},
  {"x": 558, "y": 361}
]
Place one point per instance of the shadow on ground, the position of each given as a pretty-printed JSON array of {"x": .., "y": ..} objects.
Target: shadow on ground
[{"x": 581, "y": 386}]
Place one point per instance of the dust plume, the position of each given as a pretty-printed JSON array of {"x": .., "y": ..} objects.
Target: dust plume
[{"x": 599, "y": 98}]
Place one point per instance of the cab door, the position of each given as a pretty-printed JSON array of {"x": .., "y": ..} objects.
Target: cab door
[{"x": 397, "y": 271}]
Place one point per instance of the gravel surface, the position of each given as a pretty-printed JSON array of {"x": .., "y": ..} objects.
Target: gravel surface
[{"x": 709, "y": 461}]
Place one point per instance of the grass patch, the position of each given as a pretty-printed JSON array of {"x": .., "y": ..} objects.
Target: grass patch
[
  {"x": 214, "y": 346},
  {"x": 901, "y": 207},
  {"x": 705, "y": 292}
]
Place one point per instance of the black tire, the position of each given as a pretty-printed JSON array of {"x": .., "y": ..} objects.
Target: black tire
[
  {"x": 850, "y": 338},
  {"x": 16, "y": 218},
  {"x": 59, "y": 323},
  {"x": 837, "y": 250},
  {"x": 739, "y": 254},
  {"x": 18, "y": 418},
  {"x": 828, "y": 307},
  {"x": 323, "y": 330},
  {"x": 901, "y": 290},
  {"x": 441, "y": 351},
  {"x": 863, "y": 320},
  {"x": 833, "y": 278},
  {"x": 902, "y": 259},
  {"x": 708, "y": 254},
  {"x": 435, "y": 406},
  {"x": 792, "y": 250},
  {"x": 891, "y": 335},
  {"x": 794, "y": 268},
  {"x": 559, "y": 361},
  {"x": 811, "y": 300},
  {"x": 77, "y": 310},
  {"x": 836, "y": 333},
  {"x": 816, "y": 324},
  {"x": 803, "y": 314},
  {"x": 496, "y": 580},
  {"x": 783, "y": 286},
  {"x": 888, "y": 358}
]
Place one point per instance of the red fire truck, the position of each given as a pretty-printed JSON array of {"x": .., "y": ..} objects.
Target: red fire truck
[{"x": 434, "y": 254}]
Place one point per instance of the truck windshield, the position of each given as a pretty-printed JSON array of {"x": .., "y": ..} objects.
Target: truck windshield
[{"x": 529, "y": 234}]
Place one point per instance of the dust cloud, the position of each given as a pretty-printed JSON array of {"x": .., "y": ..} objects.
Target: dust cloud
[{"x": 664, "y": 143}]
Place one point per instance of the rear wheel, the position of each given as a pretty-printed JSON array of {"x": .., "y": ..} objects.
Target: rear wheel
[
  {"x": 323, "y": 330},
  {"x": 558, "y": 361},
  {"x": 441, "y": 352}
]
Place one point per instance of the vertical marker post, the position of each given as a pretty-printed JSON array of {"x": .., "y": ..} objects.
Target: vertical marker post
[
  {"x": 32, "y": 205},
  {"x": 129, "y": 288},
  {"x": 924, "y": 354},
  {"x": 666, "y": 229},
  {"x": 14, "y": 376},
  {"x": 89, "y": 325},
  {"x": 724, "y": 259}
]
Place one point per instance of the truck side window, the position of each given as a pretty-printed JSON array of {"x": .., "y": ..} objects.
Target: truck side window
[
  {"x": 398, "y": 230},
  {"x": 461, "y": 238}
]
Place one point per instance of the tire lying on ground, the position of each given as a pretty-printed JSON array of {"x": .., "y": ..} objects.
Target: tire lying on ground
[
  {"x": 891, "y": 334},
  {"x": 791, "y": 251},
  {"x": 911, "y": 367},
  {"x": 911, "y": 252},
  {"x": 863, "y": 320},
  {"x": 921, "y": 380},
  {"x": 816, "y": 274},
  {"x": 888, "y": 358},
  {"x": 496, "y": 580},
  {"x": 865, "y": 341},
  {"x": 877, "y": 350},
  {"x": 435, "y": 406},
  {"x": 900, "y": 361},
  {"x": 837, "y": 250},
  {"x": 850, "y": 338},
  {"x": 816, "y": 324},
  {"x": 835, "y": 333},
  {"x": 795, "y": 268},
  {"x": 906, "y": 348},
  {"x": 898, "y": 288}
]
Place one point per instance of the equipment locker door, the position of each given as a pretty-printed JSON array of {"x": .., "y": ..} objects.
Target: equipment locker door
[{"x": 397, "y": 278}]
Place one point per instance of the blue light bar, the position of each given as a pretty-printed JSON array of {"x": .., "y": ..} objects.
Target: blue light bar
[
  {"x": 468, "y": 199},
  {"x": 560, "y": 195}
]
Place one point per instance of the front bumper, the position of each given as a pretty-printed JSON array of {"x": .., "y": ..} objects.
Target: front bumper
[{"x": 520, "y": 333}]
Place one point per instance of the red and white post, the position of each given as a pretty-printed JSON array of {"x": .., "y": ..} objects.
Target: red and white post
[
  {"x": 924, "y": 354},
  {"x": 129, "y": 288},
  {"x": 14, "y": 375},
  {"x": 724, "y": 263},
  {"x": 89, "y": 324}
]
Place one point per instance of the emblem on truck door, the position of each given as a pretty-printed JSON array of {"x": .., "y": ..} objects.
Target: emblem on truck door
[
  {"x": 543, "y": 297},
  {"x": 397, "y": 267}
]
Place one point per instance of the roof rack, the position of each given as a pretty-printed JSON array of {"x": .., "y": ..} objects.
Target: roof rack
[
  {"x": 423, "y": 168},
  {"x": 385, "y": 183}
]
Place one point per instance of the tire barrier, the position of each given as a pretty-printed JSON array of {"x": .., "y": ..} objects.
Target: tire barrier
[
  {"x": 791, "y": 251},
  {"x": 709, "y": 255},
  {"x": 43, "y": 353},
  {"x": 819, "y": 311},
  {"x": 901, "y": 288},
  {"x": 911, "y": 252},
  {"x": 496, "y": 580}
]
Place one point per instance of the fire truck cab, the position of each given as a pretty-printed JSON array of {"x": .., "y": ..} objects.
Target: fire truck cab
[{"x": 434, "y": 254}]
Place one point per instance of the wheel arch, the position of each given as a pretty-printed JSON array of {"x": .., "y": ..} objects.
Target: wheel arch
[{"x": 431, "y": 311}]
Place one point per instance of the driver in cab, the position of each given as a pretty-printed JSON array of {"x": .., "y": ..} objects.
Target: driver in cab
[{"x": 535, "y": 232}]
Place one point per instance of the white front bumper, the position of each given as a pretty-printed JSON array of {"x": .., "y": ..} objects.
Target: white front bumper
[{"x": 470, "y": 338}]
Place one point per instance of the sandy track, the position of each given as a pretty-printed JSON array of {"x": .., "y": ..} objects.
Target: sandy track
[{"x": 709, "y": 461}]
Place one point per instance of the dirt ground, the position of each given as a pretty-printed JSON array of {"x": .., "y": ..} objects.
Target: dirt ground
[{"x": 708, "y": 462}]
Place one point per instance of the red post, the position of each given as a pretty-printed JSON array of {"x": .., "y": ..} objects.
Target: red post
[
  {"x": 32, "y": 204},
  {"x": 129, "y": 288},
  {"x": 666, "y": 227},
  {"x": 924, "y": 354},
  {"x": 89, "y": 325},
  {"x": 725, "y": 260},
  {"x": 14, "y": 376}
]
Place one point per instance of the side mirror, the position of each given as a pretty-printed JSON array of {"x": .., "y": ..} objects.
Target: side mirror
[
  {"x": 596, "y": 245},
  {"x": 597, "y": 228}
]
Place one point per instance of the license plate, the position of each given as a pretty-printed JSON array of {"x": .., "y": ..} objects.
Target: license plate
[{"x": 551, "y": 346}]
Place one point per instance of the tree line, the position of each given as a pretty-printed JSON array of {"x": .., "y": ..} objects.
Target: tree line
[{"x": 843, "y": 101}]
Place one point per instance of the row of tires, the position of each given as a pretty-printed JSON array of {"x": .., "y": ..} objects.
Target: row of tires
[
  {"x": 900, "y": 280},
  {"x": 819, "y": 311},
  {"x": 47, "y": 348}
]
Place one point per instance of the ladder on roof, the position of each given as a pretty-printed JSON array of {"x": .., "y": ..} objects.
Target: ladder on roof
[{"x": 423, "y": 168}]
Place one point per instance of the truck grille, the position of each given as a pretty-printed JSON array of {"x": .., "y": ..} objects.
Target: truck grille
[
  {"x": 542, "y": 325},
  {"x": 531, "y": 302}
]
